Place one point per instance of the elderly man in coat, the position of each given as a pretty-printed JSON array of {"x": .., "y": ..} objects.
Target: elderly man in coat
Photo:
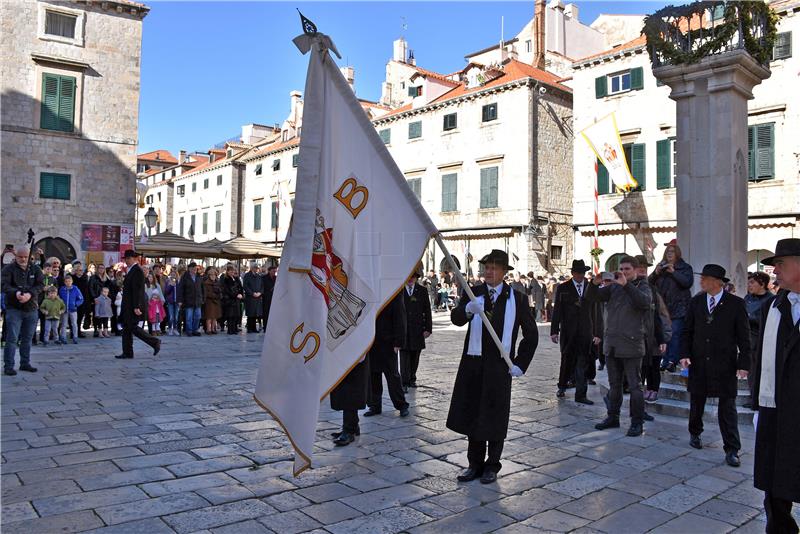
[
  {"x": 716, "y": 326},
  {"x": 481, "y": 401},
  {"x": 253, "y": 288},
  {"x": 419, "y": 325},
  {"x": 777, "y": 393}
]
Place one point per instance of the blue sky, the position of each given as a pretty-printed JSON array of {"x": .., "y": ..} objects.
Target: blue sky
[{"x": 209, "y": 67}]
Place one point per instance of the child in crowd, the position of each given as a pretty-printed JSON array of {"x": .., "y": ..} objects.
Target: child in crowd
[
  {"x": 73, "y": 298},
  {"x": 102, "y": 312},
  {"x": 52, "y": 308},
  {"x": 170, "y": 295},
  {"x": 155, "y": 311}
]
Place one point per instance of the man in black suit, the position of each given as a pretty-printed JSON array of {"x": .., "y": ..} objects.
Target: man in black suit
[
  {"x": 571, "y": 326},
  {"x": 481, "y": 401},
  {"x": 419, "y": 325},
  {"x": 716, "y": 325},
  {"x": 776, "y": 393},
  {"x": 390, "y": 334},
  {"x": 134, "y": 303},
  {"x": 269, "y": 279}
]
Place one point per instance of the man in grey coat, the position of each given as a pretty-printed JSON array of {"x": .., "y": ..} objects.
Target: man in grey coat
[{"x": 623, "y": 341}]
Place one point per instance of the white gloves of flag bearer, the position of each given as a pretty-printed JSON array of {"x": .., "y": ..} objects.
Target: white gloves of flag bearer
[
  {"x": 474, "y": 307},
  {"x": 515, "y": 371}
]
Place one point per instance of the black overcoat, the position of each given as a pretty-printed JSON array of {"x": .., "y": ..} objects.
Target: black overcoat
[
  {"x": 777, "y": 462},
  {"x": 418, "y": 317},
  {"x": 481, "y": 401},
  {"x": 230, "y": 287},
  {"x": 390, "y": 332},
  {"x": 190, "y": 292},
  {"x": 572, "y": 318},
  {"x": 252, "y": 283},
  {"x": 352, "y": 392},
  {"x": 717, "y": 344},
  {"x": 133, "y": 296},
  {"x": 266, "y": 297}
]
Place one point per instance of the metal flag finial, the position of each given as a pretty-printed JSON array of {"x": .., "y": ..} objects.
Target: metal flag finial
[{"x": 309, "y": 27}]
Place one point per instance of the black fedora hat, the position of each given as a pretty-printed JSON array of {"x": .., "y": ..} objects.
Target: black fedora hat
[
  {"x": 715, "y": 271},
  {"x": 578, "y": 266},
  {"x": 130, "y": 253},
  {"x": 497, "y": 256},
  {"x": 785, "y": 247}
]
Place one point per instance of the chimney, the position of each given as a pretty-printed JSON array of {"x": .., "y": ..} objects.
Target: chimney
[
  {"x": 211, "y": 156},
  {"x": 559, "y": 29},
  {"x": 181, "y": 157},
  {"x": 538, "y": 34},
  {"x": 400, "y": 51},
  {"x": 349, "y": 74},
  {"x": 571, "y": 11}
]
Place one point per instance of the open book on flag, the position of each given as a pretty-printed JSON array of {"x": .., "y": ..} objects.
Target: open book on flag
[
  {"x": 356, "y": 235},
  {"x": 603, "y": 138}
]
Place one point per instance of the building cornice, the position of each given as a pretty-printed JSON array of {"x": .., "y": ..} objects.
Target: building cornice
[{"x": 609, "y": 57}]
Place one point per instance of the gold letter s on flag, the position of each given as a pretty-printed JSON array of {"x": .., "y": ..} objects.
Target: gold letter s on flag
[
  {"x": 347, "y": 198},
  {"x": 297, "y": 349}
]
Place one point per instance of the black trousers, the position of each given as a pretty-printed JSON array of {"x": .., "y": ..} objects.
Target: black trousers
[
  {"x": 409, "y": 363},
  {"x": 651, "y": 372},
  {"x": 726, "y": 415},
  {"x": 251, "y": 323},
  {"x": 350, "y": 421},
  {"x": 392, "y": 382},
  {"x": 129, "y": 331},
  {"x": 630, "y": 368},
  {"x": 573, "y": 366},
  {"x": 779, "y": 515},
  {"x": 476, "y": 454}
]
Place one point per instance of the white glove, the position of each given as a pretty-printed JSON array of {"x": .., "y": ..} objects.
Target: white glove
[
  {"x": 515, "y": 371},
  {"x": 474, "y": 307}
]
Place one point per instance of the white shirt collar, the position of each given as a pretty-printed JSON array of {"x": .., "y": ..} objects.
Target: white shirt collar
[
  {"x": 716, "y": 297},
  {"x": 497, "y": 289}
]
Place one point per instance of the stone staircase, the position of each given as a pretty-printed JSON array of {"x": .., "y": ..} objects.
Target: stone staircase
[{"x": 673, "y": 399}]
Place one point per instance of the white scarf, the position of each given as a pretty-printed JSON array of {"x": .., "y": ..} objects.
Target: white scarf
[
  {"x": 766, "y": 389},
  {"x": 475, "y": 347}
]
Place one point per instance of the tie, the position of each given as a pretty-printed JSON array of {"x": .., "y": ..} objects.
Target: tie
[
  {"x": 794, "y": 298},
  {"x": 711, "y": 305},
  {"x": 490, "y": 304},
  {"x": 580, "y": 290}
]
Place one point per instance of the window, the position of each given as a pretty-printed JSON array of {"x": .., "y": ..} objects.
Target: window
[
  {"x": 180, "y": 225},
  {"x": 159, "y": 196},
  {"x": 635, "y": 155},
  {"x": 257, "y": 217},
  {"x": 528, "y": 46},
  {"x": 619, "y": 82},
  {"x": 274, "y": 223},
  {"x": 665, "y": 174},
  {"x": 488, "y": 187},
  {"x": 205, "y": 183},
  {"x": 783, "y": 46},
  {"x": 58, "y": 103},
  {"x": 173, "y": 173},
  {"x": 556, "y": 252},
  {"x": 148, "y": 199},
  {"x": 761, "y": 152},
  {"x": 603, "y": 182},
  {"x": 415, "y": 130},
  {"x": 276, "y": 165},
  {"x": 205, "y": 223},
  {"x": 295, "y": 160},
  {"x": 194, "y": 187},
  {"x": 258, "y": 169},
  {"x": 386, "y": 136},
  {"x": 416, "y": 186},
  {"x": 219, "y": 180},
  {"x": 450, "y": 122},
  {"x": 181, "y": 190},
  {"x": 55, "y": 186},
  {"x": 218, "y": 221},
  {"x": 60, "y": 24},
  {"x": 414, "y": 91},
  {"x": 449, "y": 192},
  {"x": 489, "y": 112},
  {"x": 191, "y": 227}
]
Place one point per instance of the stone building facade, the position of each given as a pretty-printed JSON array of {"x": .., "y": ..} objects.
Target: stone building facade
[
  {"x": 67, "y": 161},
  {"x": 642, "y": 222}
]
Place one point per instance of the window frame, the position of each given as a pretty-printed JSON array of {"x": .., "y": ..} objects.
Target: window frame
[
  {"x": 259, "y": 169},
  {"x": 80, "y": 21},
  {"x": 450, "y": 127},
  {"x": 788, "y": 45},
  {"x": 219, "y": 179},
  {"x": 60, "y": 77},
  {"x": 387, "y": 139},
  {"x": 276, "y": 164},
  {"x": 486, "y": 112},
  {"x": 257, "y": 216},
  {"x": 217, "y": 221},
  {"x": 53, "y": 176},
  {"x": 485, "y": 203},
  {"x": 412, "y": 124},
  {"x": 451, "y": 176},
  {"x": 621, "y": 75}
]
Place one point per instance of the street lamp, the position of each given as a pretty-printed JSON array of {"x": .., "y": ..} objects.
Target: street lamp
[{"x": 150, "y": 219}]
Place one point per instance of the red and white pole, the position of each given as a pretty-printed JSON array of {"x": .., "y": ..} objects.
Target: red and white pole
[{"x": 596, "y": 222}]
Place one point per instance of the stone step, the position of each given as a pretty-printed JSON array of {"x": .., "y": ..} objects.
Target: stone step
[
  {"x": 677, "y": 408},
  {"x": 676, "y": 378},
  {"x": 678, "y": 392}
]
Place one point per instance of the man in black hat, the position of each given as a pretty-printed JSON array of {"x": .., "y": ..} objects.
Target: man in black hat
[
  {"x": 134, "y": 302},
  {"x": 419, "y": 325},
  {"x": 481, "y": 401},
  {"x": 571, "y": 327},
  {"x": 776, "y": 392},
  {"x": 716, "y": 325}
]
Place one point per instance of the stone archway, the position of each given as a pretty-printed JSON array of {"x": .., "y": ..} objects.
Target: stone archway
[
  {"x": 58, "y": 247},
  {"x": 612, "y": 263},
  {"x": 754, "y": 258}
]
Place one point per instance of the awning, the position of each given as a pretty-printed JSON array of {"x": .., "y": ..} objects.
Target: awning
[
  {"x": 670, "y": 229},
  {"x": 172, "y": 245},
  {"x": 483, "y": 233},
  {"x": 240, "y": 247}
]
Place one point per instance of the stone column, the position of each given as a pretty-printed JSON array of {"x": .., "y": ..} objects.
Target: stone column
[{"x": 711, "y": 145}]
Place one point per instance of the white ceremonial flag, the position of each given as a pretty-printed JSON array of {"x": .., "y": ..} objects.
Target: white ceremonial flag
[
  {"x": 603, "y": 138},
  {"x": 357, "y": 234}
]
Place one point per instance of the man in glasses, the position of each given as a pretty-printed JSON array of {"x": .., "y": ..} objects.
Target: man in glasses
[{"x": 22, "y": 283}]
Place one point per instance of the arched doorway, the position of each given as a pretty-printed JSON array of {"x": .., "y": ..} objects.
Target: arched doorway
[
  {"x": 612, "y": 263},
  {"x": 444, "y": 265},
  {"x": 754, "y": 258},
  {"x": 58, "y": 247}
]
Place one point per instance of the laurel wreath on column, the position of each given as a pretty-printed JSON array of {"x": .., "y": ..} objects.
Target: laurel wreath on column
[{"x": 673, "y": 32}]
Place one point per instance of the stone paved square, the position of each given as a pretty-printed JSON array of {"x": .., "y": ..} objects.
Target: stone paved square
[{"x": 177, "y": 444}]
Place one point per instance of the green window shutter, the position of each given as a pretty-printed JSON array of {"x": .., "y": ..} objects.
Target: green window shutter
[
  {"x": 416, "y": 186},
  {"x": 295, "y": 160},
  {"x": 751, "y": 154},
  {"x": 46, "y": 186},
  {"x": 783, "y": 46},
  {"x": 415, "y": 130},
  {"x": 274, "y": 218},
  {"x": 386, "y": 136},
  {"x": 765, "y": 151},
  {"x": 55, "y": 186},
  {"x": 450, "y": 192},
  {"x": 66, "y": 104},
  {"x": 488, "y": 187},
  {"x": 602, "y": 179},
  {"x": 489, "y": 112},
  {"x": 638, "y": 164},
  {"x": 663, "y": 164},
  {"x": 49, "y": 119},
  {"x": 257, "y": 217},
  {"x": 637, "y": 79},
  {"x": 600, "y": 87}
]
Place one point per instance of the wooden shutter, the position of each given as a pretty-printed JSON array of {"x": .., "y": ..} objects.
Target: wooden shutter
[
  {"x": 765, "y": 151},
  {"x": 638, "y": 164},
  {"x": 66, "y": 103},
  {"x": 386, "y": 136},
  {"x": 49, "y": 120},
  {"x": 663, "y": 164},
  {"x": 46, "y": 185},
  {"x": 600, "y": 87},
  {"x": 450, "y": 192},
  {"x": 637, "y": 79},
  {"x": 783, "y": 46},
  {"x": 751, "y": 154},
  {"x": 256, "y": 218},
  {"x": 55, "y": 186},
  {"x": 488, "y": 187},
  {"x": 415, "y": 130},
  {"x": 602, "y": 179},
  {"x": 274, "y": 218}
]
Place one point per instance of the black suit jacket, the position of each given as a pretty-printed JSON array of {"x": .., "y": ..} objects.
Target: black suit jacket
[
  {"x": 418, "y": 317},
  {"x": 573, "y": 316},
  {"x": 133, "y": 296}
]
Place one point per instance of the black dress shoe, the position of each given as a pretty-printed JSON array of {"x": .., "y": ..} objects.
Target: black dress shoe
[
  {"x": 345, "y": 438},
  {"x": 732, "y": 459},
  {"x": 584, "y": 401},
  {"x": 371, "y": 412},
  {"x": 469, "y": 474},
  {"x": 123, "y": 357},
  {"x": 335, "y": 435},
  {"x": 403, "y": 412},
  {"x": 28, "y": 368},
  {"x": 695, "y": 442},
  {"x": 635, "y": 430},
  {"x": 560, "y": 393},
  {"x": 157, "y": 348},
  {"x": 488, "y": 477},
  {"x": 608, "y": 422},
  {"x": 9, "y": 372},
  {"x": 648, "y": 417}
]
